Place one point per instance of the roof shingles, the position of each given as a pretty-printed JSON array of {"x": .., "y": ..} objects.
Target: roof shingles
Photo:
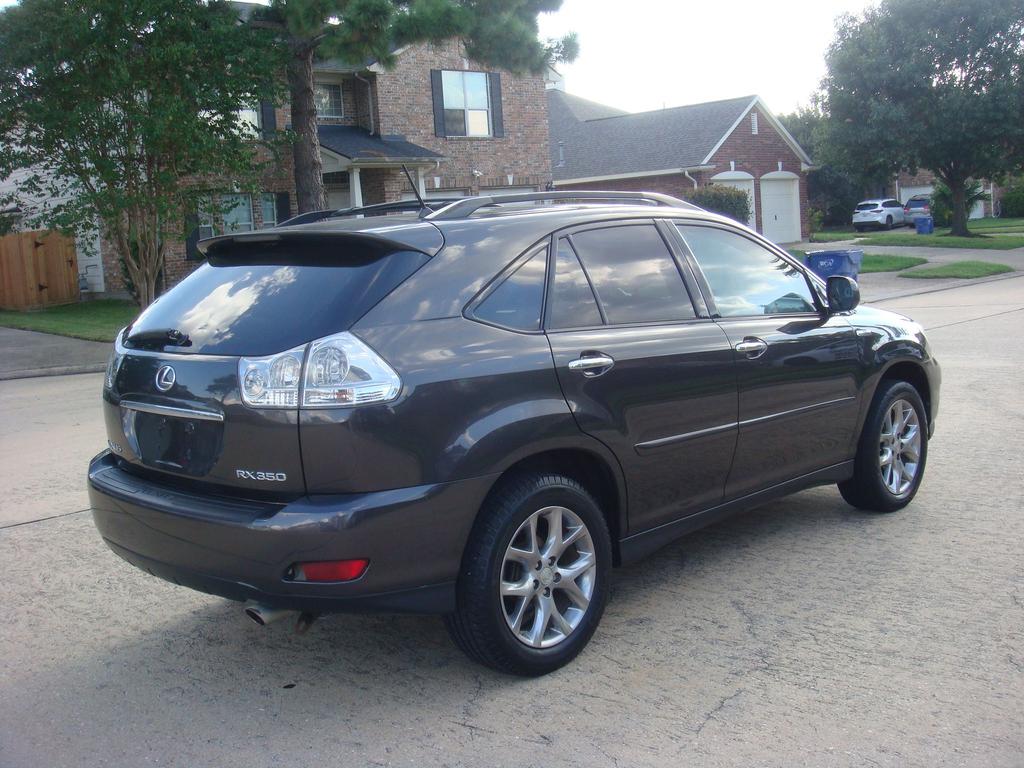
[{"x": 602, "y": 141}]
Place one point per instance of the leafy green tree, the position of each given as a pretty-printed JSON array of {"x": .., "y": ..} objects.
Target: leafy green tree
[
  {"x": 831, "y": 189},
  {"x": 942, "y": 201},
  {"x": 497, "y": 32},
  {"x": 936, "y": 84},
  {"x": 126, "y": 112}
]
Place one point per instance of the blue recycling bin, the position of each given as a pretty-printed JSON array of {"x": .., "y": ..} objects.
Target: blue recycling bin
[
  {"x": 828, "y": 263},
  {"x": 925, "y": 225}
]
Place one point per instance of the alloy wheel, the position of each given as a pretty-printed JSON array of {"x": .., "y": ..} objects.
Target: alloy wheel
[
  {"x": 899, "y": 448},
  {"x": 548, "y": 577}
]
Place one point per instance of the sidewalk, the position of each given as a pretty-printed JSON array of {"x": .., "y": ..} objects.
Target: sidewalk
[{"x": 26, "y": 354}]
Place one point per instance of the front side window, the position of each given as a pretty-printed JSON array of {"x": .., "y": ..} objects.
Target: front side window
[
  {"x": 745, "y": 278},
  {"x": 518, "y": 300},
  {"x": 327, "y": 99},
  {"x": 466, "y": 103},
  {"x": 634, "y": 275}
]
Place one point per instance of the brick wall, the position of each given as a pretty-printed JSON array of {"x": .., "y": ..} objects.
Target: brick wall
[{"x": 405, "y": 106}]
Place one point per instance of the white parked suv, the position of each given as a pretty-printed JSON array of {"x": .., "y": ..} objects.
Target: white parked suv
[{"x": 882, "y": 213}]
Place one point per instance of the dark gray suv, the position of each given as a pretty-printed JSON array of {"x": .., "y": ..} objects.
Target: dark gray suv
[{"x": 478, "y": 411}]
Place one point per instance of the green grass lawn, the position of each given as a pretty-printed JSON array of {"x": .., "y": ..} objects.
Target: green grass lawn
[
  {"x": 990, "y": 243},
  {"x": 980, "y": 226},
  {"x": 833, "y": 236},
  {"x": 98, "y": 320},
  {"x": 876, "y": 262},
  {"x": 961, "y": 269}
]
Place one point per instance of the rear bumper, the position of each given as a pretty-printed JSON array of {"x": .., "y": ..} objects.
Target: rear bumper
[{"x": 240, "y": 550}]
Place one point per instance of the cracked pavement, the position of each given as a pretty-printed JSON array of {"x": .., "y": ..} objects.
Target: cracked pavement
[{"x": 802, "y": 632}]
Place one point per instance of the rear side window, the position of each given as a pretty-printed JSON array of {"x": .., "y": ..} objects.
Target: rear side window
[
  {"x": 634, "y": 275},
  {"x": 572, "y": 300},
  {"x": 262, "y": 298},
  {"x": 518, "y": 300},
  {"x": 746, "y": 278}
]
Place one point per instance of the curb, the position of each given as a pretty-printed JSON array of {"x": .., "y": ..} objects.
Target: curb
[{"x": 64, "y": 370}]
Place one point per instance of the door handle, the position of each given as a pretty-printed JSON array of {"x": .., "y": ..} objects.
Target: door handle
[
  {"x": 752, "y": 348},
  {"x": 591, "y": 365}
]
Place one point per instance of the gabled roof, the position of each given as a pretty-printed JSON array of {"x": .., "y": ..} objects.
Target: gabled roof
[
  {"x": 598, "y": 141},
  {"x": 359, "y": 144}
]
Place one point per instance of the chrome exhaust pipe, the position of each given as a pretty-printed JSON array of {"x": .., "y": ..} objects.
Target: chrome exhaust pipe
[{"x": 265, "y": 614}]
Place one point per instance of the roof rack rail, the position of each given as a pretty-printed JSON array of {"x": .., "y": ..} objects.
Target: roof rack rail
[
  {"x": 466, "y": 206},
  {"x": 399, "y": 206}
]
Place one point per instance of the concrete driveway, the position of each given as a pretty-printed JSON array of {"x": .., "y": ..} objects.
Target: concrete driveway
[
  {"x": 27, "y": 353},
  {"x": 801, "y": 633}
]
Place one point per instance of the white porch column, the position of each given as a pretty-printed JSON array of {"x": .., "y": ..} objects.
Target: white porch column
[
  {"x": 421, "y": 183},
  {"x": 355, "y": 188}
]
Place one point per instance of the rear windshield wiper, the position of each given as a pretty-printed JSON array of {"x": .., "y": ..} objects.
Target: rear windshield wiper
[{"x": 158, "y": 338}]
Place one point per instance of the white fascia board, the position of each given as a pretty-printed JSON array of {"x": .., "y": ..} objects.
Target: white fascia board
[{"x": 636, "y": 175}]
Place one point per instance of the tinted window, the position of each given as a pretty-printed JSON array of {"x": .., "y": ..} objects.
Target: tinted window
[
  {"x": 634, "y": 275},
  {"x": 867, "y": 206},
  {"x": 917, "y": 204},
  {"x": 572, "y": 301},
  {"x": 745, "y": 278},
  {"x": 516, "y": 303},
  {"x": 258, "y": 299}
]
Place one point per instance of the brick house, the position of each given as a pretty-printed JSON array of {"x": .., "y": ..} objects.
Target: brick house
[
  {"x": 460, "y": 129},
  {"x": 735, "y": 142}
]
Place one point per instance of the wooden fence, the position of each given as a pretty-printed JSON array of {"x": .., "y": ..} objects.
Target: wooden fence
[{"x": 37, "y": 269}]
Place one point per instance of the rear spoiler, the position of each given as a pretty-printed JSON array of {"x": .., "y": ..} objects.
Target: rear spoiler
[{"x": 422, "y": 237}]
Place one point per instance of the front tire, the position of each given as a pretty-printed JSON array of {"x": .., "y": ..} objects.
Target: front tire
[
  {"x": 534, "y": 578},
  {"x": 892, "y": 451}
]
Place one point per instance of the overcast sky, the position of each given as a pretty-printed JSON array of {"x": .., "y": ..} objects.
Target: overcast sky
[
  {"x": 646, "y": 54},
  {"x": 649, "y": 54}
]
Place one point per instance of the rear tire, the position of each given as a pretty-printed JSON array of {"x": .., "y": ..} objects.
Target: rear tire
[
  {"x": 892, "y": 451},
  {"x": 888, "y": 222},
  {"x": 509, "y": 574}
]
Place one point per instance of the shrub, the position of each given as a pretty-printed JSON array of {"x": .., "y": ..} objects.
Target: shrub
[
  {"x": 727, "y": 201},
  {"x": 1012, "y": 205},
  {"x": 942, "y": 201}
]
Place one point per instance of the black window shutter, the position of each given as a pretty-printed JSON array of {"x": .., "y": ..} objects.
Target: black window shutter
[
  {"x": 268, "y": 119},
  {"x": 192, "y": 239},
  {"x": 497, "y": 120},
  {"x": 438, "y": 92},
  {"x": 284, "y": 207}
]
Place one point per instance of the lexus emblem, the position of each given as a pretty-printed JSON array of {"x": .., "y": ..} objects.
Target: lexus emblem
[{"x": 164, "y": 378}]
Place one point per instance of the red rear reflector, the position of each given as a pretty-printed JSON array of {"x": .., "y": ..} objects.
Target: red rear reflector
[{"x": 331, "y": 570}]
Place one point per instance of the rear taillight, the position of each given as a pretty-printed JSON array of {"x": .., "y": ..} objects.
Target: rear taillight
[{"x": 338, "y": 370}]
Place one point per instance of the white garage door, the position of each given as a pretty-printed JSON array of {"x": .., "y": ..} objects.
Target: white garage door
[
  {"x": 739, "y": 180},
  {"x": 780, "y": 207}
]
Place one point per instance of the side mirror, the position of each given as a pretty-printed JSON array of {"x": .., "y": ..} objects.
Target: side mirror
[{"x": 843, "y": 294}]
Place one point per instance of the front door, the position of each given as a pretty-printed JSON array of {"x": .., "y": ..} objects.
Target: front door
[
  {"x": 643, "y": 371},
  {"x": 796, "y": 367}
]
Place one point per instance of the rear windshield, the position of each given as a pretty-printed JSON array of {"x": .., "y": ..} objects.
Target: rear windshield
[
  {"x": 917, "y": 204},
  {"x": 868, "y": 206},
  {"x": 262, "y": 299}
]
